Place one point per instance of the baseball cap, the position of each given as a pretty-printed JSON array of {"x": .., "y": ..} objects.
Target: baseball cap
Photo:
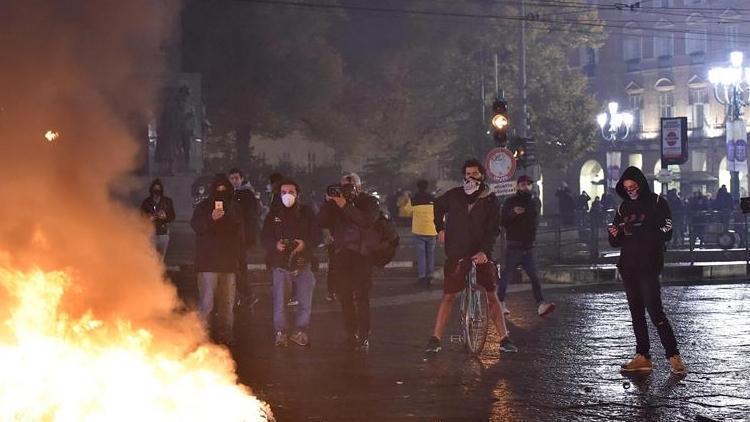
[{"x": 525, "y": 178}]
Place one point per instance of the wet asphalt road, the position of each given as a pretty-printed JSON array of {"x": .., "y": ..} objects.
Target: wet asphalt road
[{"x": 567, "y": 367}]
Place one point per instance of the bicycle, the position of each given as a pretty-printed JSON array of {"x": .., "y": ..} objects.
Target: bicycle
[{"x": 474, "y": 314}]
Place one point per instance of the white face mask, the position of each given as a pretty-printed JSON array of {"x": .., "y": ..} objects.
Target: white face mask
[
  {"x": 471, "y": 186},
  {"x": 288, "y": 199}
]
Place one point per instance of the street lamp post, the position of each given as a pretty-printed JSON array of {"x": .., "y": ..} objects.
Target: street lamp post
[
  {"x": 730, "y": 89},
  {"x": 615, "y": 126}
]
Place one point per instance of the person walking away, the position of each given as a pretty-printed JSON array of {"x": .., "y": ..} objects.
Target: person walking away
[
  {"x": 566, "y": 205},
  {"x": 520, "y": 218},
  {"x": 467, "y": 222},
  {"x": 348, "y": 214},
  {"x": 425, "y": 235},
  {"x": 244, "y": 196},
  {"x": 642, "y": 226},
  {"x": 288, "y": 237},
  {"x": 160, "y": 211},
  {"x": 677, "y": 206},
  {"x": 217, "y": 222}
]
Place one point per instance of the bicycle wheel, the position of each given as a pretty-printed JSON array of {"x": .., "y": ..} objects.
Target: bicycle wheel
[{"x": 475, "y": 318}]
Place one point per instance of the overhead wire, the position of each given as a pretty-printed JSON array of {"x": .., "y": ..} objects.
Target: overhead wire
[{"x": 599, "y": 24}]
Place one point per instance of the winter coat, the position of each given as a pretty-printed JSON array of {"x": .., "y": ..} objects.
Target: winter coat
[
  {"x": 423, "y": 214},
  {"x": 244, "y": 196},
  {"x": 218, "y": 243},
  {"x": 644, "y": 225},
  {"x": 520, "y": 229},
  {"x": 349, "y": 224},
  {"x": 293, "y": 223},
  {"x": 151, "y": 208},
  {"x": 469, "y": 228}
]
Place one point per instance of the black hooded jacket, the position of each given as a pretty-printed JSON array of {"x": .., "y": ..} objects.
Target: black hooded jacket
[
  {"x": 218, "y": 242},
  {"x": 151, "y": 209},
  {"x": 644, "y": 226},
  {"x": 469, "y": 228}
]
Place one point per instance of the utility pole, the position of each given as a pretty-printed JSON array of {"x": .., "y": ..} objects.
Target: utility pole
[{"x": 524, "y": 106}]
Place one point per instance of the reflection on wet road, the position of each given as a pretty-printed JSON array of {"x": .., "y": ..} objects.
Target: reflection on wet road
[{"x": 567, "y": 367}]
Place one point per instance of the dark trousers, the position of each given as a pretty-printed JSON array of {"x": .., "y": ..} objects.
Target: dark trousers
[
  {"x": 524, "y": 258},
  {"x": 644, "y": 294},
  {"x": 352, "y": 274},
  {"x": 243, "y": 276}
]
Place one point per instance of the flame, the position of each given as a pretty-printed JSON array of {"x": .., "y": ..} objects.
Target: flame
[
  {"x": 51, "y": 135},
  {"x": 59, "y": 368}
]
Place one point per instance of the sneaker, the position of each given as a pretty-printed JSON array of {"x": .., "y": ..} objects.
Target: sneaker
[
  {"x": 639, "y": 363},
  {"x": 678, "y": 366},
  {"x": 507, "y": 346},
  {"x": 281, "y": 339},
  {"x": 506, "y": 311},
  {"x": 300, "y": 338},
  {"x": 363, "y": 345},
  {"x": 433, "y": 345},
  {"x": 545, "y": 308},
  {"x": 292, "y": 302},
  {"x": 330, "y": 297}
]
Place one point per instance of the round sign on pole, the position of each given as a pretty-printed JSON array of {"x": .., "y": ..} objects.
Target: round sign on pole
[{"x": 500, "y": 164}]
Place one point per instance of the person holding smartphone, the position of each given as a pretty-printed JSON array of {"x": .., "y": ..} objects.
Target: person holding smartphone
[
  {"x": 160, "y": 211},
  {"x": 217, "y": 222},
  {"x": 642, "y": 226}
]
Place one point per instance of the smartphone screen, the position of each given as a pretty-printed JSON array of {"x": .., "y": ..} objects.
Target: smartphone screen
[{"x": 219, "y": 205}]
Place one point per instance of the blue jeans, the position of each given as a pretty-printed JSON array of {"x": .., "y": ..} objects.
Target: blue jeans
[
  {"x": 304, "y": 284},
  {"x": 425, "y": 246},
  {"x": 219, "y": 289},
  {"x": 524, "y": 258}
]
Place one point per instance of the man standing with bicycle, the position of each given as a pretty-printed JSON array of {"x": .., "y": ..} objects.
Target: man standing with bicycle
[{"x": 467, "y": 222}]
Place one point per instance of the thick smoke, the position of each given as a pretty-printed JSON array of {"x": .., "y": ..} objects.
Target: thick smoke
[{"x": 88, "y": 70}]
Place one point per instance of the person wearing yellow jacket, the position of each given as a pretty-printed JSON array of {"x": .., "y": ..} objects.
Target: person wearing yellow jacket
[{"x": 423, "y": 228}]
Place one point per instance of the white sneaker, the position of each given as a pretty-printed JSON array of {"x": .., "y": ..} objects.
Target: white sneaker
[
  {"x": 545, "y": 308},
  {"x": 506, "y": 311}
]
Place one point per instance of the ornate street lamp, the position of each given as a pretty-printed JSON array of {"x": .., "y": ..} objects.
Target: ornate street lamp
[
  {"x": 730, "y": 88},
  {"x": 615, "y": 126}
]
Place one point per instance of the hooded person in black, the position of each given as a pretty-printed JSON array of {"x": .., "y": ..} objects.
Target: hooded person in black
[
  {"x": 160, "y": 211},
  {"x": 217, "y": 222},
  {"x": 642, "y": 226}
]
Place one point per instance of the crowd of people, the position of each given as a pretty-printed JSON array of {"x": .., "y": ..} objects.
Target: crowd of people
[
  {"x": 226, "y": 225},
  {"x": 697, "y": 212},
  {"x": 465, "y": 220}
]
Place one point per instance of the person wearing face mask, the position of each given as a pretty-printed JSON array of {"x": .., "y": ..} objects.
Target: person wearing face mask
[
  {"x": 287, "y": 236},
  {"x": 348, "y": 214},
  {"x": 160, "y": 211},
  {"x": 217, "y": 222},
  {"x": 467, "y": 223},
  {"x": 641, "y": 228},
  {"x": 519, "y": 217}
]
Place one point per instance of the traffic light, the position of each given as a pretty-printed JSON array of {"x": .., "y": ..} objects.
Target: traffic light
[
  {"x": 499, "y": 122},
  {"x": 524, "y": 150}
]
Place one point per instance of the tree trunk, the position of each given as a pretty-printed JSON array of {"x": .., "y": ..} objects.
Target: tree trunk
[{"x": 243, "y": 146}]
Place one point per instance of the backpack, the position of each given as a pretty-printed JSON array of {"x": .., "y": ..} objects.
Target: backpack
[{"x": 384, "y": 241}]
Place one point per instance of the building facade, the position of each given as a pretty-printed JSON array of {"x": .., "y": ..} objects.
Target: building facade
[{"x": 655, "y": 64}]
